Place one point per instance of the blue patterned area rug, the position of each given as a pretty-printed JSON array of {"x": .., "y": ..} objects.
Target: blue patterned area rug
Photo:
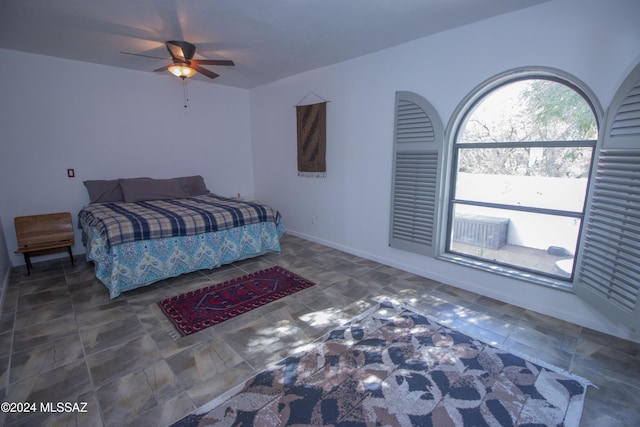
[{"x": 392, "y": 366}]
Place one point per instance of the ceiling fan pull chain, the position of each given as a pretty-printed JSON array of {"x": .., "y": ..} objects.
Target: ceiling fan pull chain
[{"x": 185, "y": 92}]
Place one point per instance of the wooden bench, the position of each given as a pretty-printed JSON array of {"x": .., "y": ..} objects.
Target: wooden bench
[{"x": 43, "y": 234}]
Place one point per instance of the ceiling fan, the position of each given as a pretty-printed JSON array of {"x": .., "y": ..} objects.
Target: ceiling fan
[{"x": 183, "y": 65}]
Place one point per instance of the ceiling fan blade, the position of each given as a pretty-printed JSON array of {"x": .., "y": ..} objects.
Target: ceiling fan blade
[
  {"x": 176, "y": 51},
  {"x": 212, "y": 62},
  {"x": 144, "y": 56},
  {"x": 181, "y": 49},
  {"x": 165, "y": 68},
  {"x": 204, "y": 71}
]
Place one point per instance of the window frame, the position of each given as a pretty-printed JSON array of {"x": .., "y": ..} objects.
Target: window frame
[{"x": 455, "y": 126}]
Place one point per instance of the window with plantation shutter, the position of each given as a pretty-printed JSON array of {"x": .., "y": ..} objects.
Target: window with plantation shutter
[
  {"x": 609, "y": 268},
  {"x": 417, "y": 154},
  {"x": 522, "y": 150}
]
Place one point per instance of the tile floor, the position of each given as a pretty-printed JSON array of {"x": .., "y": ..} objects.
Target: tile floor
[{"x": 63, "y": 340}]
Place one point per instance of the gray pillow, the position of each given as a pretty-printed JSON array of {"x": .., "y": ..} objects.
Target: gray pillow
[
  {"x": 142, "y": 189},
  {"x": 194, "y": 185},
  {"x": 104, "y": 191}
]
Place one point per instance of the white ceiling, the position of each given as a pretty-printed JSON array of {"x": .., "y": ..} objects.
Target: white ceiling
[{"x": 267, "y": 39}]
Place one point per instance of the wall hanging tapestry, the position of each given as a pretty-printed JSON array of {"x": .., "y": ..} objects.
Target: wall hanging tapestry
[
  {"x": 312, "y": 139},
  {"x": 196, "y": 310},
  {"x": 396, "y": 367}
]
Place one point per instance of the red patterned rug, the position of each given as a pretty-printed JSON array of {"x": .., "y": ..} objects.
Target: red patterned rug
[{"x": 196, "y": 310}]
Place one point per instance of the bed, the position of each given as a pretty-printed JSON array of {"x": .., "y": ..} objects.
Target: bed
[{"x": 138, "y": 231}]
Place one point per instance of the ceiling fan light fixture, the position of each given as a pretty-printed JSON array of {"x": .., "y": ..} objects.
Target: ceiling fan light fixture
[{"x": 181, "y": 70}]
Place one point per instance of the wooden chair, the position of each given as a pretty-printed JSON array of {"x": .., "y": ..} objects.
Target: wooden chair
[{"x": 43, "y": 234}]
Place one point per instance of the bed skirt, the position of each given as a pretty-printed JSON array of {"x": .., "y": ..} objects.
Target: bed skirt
[{"x": 132, "y": 265}]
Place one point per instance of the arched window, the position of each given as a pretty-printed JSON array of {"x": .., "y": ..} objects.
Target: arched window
[{"x": 523, "y": 145}]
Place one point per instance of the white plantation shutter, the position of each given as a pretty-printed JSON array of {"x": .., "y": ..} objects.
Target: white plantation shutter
[
  {"x": 417, "y": 156},
  {"x": 608, "y": 270}
]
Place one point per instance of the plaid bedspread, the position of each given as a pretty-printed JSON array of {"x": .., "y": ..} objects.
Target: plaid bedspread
[{"x": 122, "y": 222}]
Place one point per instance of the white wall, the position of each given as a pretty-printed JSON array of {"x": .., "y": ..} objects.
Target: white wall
[
  {"x": 109, "y": 123},
  {"x": 596, "y": 41},
  {"x": 525, "y": 228}
]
